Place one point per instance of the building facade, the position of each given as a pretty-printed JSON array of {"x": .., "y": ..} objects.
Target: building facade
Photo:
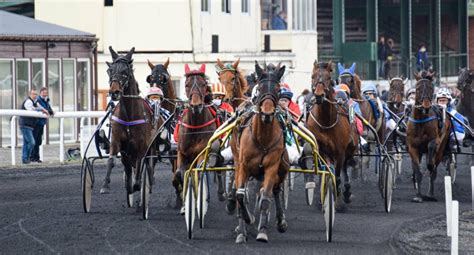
[{"x": 195, "y": 32}]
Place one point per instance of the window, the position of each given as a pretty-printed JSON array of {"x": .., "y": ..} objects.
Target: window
[
  {"x": 37, "y": 77},
  {"x": 83, "y": 82},
  {"x": 245, "y": 6},
  {"x": 69, "y": 99},
  {"x": 205, "y": 5},
  {"x": 274, "y": 14},
  {"x": 6, "y": 99},
  {"x": 108, "y": 2},
  {"x": 22, "y": 81},
  {"x": 226, "y": 6},
  {"x": 54, "y": 94},
  {"x": 304, "y": 15}
]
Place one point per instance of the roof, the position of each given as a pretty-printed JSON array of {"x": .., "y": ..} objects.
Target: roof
[{"x": 17, "y": 27}]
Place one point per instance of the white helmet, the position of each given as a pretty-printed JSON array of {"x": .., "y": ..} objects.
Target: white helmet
[
  {"x": 255, "y": 91},
  {"x": 443, "y": 92}
]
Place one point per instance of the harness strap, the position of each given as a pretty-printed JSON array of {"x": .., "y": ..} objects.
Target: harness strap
[
  {"x": 428, "y": 119},
  {"x": 128, "y": 123}
]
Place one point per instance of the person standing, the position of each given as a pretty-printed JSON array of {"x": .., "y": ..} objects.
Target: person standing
[
  {"x": 388, "y": 62},
  {"x": 382, "y": 55},
  {"x": 43, "y": 101},
  {"x": 28, "y": 124},
  {"x": 279, "y": 21},
  {"x": 422, "y": 58}
]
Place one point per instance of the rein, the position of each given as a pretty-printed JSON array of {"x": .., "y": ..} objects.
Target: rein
[
  {"x": 427, "y": 119},
  {"x": 215, "y": 120}
]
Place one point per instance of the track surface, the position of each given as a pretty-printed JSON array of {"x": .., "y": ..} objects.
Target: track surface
[{"x": 41, "y": 212}]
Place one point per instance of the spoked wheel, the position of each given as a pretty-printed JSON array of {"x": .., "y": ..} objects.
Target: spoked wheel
[
  {"x": 381, "y": 182},
  {"x": 203, "y": 196},
  {"x": 146, "y": 189},
  {"x": 286, "y": 191},
  {"x": 190, "y": 207},
  {"x": 328, "y": 208},
  {"x": 87, "y": 184},
  {"x": 388, "y": 184},
  {"x": 452, "y": 168}
]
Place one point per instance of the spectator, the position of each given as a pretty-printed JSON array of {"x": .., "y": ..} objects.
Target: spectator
[
  {"x": 388, "y": 62},
  {"x": 43, "y": 101},
  {"x": 422, "y": 58},
  {"x": 279, "y": 21},
  {"x": 28, "y": 124},
  {"x": 382, "y": 55},
  {"x": 301, "y": 99}
]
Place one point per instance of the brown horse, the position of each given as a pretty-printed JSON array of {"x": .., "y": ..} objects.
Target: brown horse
[
  {"x": 196, "y": 125},
  {"x": 329, "y": 122},
  {"x": 233, "y": 80},
  {"x": 396, "y": 94},
  {"x": 466, "y": 86},
  {"x": 161, "y": 78},
  {"x": 132, "y": 127},
  {"x": 425, "y": 135},
  {"x": 259, "y": 152}
]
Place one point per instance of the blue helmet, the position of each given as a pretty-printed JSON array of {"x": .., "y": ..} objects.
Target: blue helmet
[
  {"x": 286, "y": 93},
  {"x": 369, "y": 87}
]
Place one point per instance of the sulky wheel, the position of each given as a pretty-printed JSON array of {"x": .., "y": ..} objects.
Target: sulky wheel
[
  {"x": 145, "y": 189},
  {"x": 328, "y": 208},
  {"x": 203, "y": 198},
  {"x": 387, "y": 169},
  {"x": 87, "y": 184},
  {"x": 381, "y": 182},
  {"x": 310, "y": 185},
  {"x": 190, "y": 207}
]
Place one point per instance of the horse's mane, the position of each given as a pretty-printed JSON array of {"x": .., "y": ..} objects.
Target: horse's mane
[
  {"x": 243, "y": 82},
  {"x": 357, "y": 86}
]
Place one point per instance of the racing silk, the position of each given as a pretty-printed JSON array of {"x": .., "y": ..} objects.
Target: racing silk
[
  {"x": 355, "y": 107},
  {"x": 294, "y": 109},
  {"x": 180, "y": 123},
  {"x": 226, "y": 107},
  {"x": 458, "y": 128}
]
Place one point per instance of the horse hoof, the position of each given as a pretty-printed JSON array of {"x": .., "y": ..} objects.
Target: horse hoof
[
  {"x": 283, "y": 226},
  {"x": 237, "y": 229},
  {"x": 105, "y": 190},
  {"x": 136, "y": 187},
  {"x": 178, "y": 204},
  {"x": 241, "y": 238},
  {"x": 251, "y": 219},
  {"x": 262, "y": 237},
  {"x": 417, "y": 199},
  {"x": 182, "y": 211},
  {"x": 347, "y": 198},
  {"x": 340, "y": 206},
  {"x": 430, "y": 199},
  {"x": 230, "y": 207},
  {"x": 220, "y": 196}
]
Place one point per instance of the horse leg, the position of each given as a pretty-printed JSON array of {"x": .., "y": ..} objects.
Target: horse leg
[
  {"x": 340, "y": 205},
  {"x": 282, "y": 225},
  {"x": 244, "y": 215},
  {"x": 270, "y": 180},
  {"x": 178, "y": 181},
  {"x": 105, "y": 189},
  {"x": 417, "y": 176},
  {"x": 347, "y": 184}
]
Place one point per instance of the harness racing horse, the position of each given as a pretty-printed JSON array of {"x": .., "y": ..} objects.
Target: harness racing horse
[
  {"x": 233, "y": 80},
  {"x": 426, "y": 135},
  {"x": 251, "y": 82},
  {"x": 131, "y": 121},
  {"x": 329, "y": 122},
  {"x": 259, "y": 151},
  {"x": 161, "y": 78},
  {"x": 465, "y": 85},
  {"x": 195, "y": 127},
  {"x": 350, "y": 78}
]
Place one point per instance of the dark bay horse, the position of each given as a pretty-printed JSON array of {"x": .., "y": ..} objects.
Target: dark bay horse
[
  {"x": 425, "y": 135},
  {"x": 466, "y": 86},
  {"x": 161, "y": 78},
  {"x": 131, "y": 122},
  {"x": 195, "y": 127},
  {"x": 396, "y": 94},
  {"x": 251, "y": 82},
  {"x": 233, "y": 80},
  {"x": 259, "y": 152},
  {"x": 329, "y": 122}
]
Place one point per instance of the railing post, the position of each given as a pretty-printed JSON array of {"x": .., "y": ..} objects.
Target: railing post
[
  {"x": 81, "y": 134},
  {"x": 455, "y": 229},
  {"x": 472, "y": 188},
  {"x": 13, "y": 139},
  {"x": 42, "y": 144},
  {"x": 61, "y": 140},
  {"x": 448, "y": 199}
]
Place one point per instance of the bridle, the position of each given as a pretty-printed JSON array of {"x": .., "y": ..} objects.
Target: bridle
[
  {"x": 266, "y": 89},
  {"x": 121, "y": 79},
  {"x": 464, "y": 79},
  {"x": 159, "y": 76},
  {"x": 393, "y": 93},
  {"x": 235, "y": 83},
  {"x": 426, "y": 92},
  {"x": 327, "y": 82}
]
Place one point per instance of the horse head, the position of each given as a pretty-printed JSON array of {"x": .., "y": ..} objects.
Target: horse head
[
  {"x": 120, "y": 73},
  {"x": 229, "y": 76},
  {"x": 321, "y": 82},
  {"x": 396, "y": 91},
  {"x": 348, "y": 76},
  {"x": 464, "y": 78},
  {"x": 269, "y": 89},
  {"x": 159, "y": 76},
  {"x": 196, "y": 87},
  {"x": 251, "y": 82},
  {"x": 424, "y": 95}
]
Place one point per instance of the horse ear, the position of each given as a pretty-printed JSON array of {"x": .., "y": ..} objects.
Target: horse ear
[
  {"x": 258, "y": 69},
  {"x": 150, "y": 64},
  {"x": 108, "y": 63},
  {"x": 186, "y": 69},
  {"x": 353, "y": 68},
  {"x": 203, "y": 68},
  {"x": 113, "y": 53},
  {"x": 166, "y": 64},
  {"x": 281, "y": 71},
  {"x": 417, "y": 76},
  {"x": 130, "y": 53},
  {"x": 219, "y": 63},
  {"x": 405, "y": 81},
  {"x": 340, "y": 68},
  {"x": 330, "y": 65},
  {"x": 315, "y": 63},
  {"x": 236, "y": 63}
]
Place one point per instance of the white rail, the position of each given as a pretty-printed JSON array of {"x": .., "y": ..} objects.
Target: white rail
[
  {"x": 452, "y": 216},
  {"x": 82, "y": 115}
]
